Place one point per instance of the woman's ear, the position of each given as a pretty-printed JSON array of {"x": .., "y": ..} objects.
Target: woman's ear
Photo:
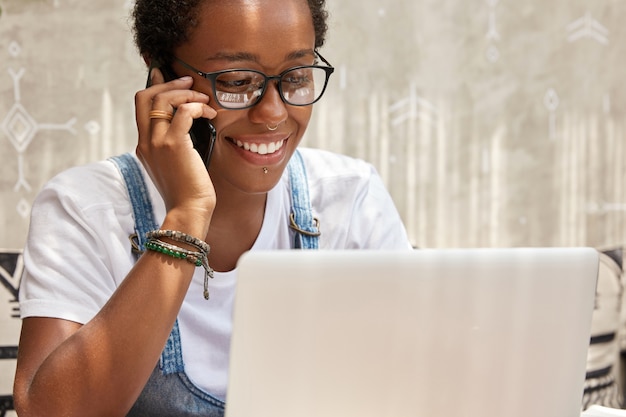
[{"x": 147, "y": 59}]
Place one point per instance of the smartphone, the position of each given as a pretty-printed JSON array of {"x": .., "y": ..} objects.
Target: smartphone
[{"x": 202, "y": 132}]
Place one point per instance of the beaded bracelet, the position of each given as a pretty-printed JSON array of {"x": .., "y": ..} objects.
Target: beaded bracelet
[
  {"x": 199, "y": 258},
  {"x": 180, "y": 237},
  {"x": 174, "y": 251}
]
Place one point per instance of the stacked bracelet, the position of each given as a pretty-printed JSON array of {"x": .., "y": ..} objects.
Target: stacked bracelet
[
  {"x": 174, "y": 251},
  {"x": 180, "y": 237},
  {"x": 198, "y": 258}
]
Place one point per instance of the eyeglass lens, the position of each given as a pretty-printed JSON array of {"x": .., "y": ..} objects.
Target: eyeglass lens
[{"x": 299, "y": 87}]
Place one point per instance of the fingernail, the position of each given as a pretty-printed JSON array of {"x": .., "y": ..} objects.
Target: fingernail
[{"x": 186, "y": 78}]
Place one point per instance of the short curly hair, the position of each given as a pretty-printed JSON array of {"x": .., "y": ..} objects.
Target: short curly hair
[{"x": 162, "y": 25}]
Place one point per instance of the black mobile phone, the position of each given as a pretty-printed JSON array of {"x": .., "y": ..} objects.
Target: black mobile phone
[{"x": 202, "y": 132}]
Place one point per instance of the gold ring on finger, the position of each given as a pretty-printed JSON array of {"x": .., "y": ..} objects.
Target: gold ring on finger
[{"x": 160, "y": 114}]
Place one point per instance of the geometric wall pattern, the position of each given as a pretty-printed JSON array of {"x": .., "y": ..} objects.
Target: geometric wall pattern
[{"x": 493, "y": 123}]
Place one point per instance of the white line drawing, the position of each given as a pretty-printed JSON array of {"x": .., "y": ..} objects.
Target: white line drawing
[
  {"x": 492, "y": 31},
  {"x": 14, "y": 49},
  {"x": 412, "y": 107},
  {"x": 23, "y": 208},
  {"x": 492, "y": 54},
  {"x": 19, "y": 126},
  {"x": 551, "y": 101},
  {"x": 587, "y": 27},
  {"x": 604, "y": 207}
]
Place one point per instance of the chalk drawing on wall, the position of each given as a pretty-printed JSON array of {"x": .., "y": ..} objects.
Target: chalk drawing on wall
[
  {"x": 603, "y": 208},
  {"x": 21, "y": 128},
  {"x": 493, "y": 36},
  {"x": 587, "y": 27},
  {"x": 412, "y": 107},
  {"x": 551, "y": 101}
]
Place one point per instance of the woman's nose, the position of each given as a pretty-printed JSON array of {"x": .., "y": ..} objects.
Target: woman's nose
[{"x": 271, "y": 109}]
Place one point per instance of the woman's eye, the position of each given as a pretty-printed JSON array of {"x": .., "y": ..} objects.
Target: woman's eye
[
  {"x": 298, "y": 78},
  {"x": 238, "y": 81}
]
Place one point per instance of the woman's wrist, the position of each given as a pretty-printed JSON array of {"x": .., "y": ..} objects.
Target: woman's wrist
[
  {"x": 199, "y": 256},
  {"x": 194, "y": 222}
]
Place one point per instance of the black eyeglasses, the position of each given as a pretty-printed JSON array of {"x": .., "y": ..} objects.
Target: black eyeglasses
[{"x": 243, "y": 88}]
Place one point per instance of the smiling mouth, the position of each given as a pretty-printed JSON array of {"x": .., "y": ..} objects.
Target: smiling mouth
[{"x": 261, "y": 148}]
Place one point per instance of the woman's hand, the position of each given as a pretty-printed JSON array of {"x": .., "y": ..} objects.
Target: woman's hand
[{"x": 166, "y": 150}]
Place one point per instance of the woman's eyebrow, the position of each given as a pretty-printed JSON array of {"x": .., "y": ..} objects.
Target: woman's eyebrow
[
  {"x": 300, "y": 54},
  {"x": 247, "y": 56},
  {"x": 236, "y": 56}
]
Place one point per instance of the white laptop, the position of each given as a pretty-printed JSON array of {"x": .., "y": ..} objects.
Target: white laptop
[{"x": 433, "y": 333}]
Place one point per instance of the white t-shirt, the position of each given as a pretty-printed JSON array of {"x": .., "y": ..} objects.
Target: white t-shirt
[{"x": 77, "y": 252}]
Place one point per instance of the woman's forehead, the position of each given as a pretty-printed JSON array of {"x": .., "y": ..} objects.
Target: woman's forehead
[
  {"x": 269, "y": 29},
  {"x": 250, "y": 17}
]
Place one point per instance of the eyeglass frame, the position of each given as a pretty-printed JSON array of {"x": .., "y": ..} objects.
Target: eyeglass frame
[{"x": 212, "y": 76}]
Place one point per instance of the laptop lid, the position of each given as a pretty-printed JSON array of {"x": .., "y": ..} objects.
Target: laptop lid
[{"x": 436, "y": 333}]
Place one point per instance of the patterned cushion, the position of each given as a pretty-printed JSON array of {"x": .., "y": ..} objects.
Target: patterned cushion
[
  {"x": 602, "y": 382},
  {"x": 11, "y": 266}
]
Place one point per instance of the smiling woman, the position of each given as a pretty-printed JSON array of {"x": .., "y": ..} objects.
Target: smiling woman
[
  {"x": 218, "y": 171},
  {"x": 491, "y": 123}
]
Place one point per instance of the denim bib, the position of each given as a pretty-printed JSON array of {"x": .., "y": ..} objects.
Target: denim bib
[{"x": 169, "y": 392}]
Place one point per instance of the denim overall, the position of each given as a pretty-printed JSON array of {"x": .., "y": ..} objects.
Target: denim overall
[{"x": 169, "y": 392}]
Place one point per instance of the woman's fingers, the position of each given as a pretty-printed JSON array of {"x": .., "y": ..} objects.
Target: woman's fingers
[
  {"x": 169, "y": 127},
  {"x": 184, "y": 117},
  {"x": 166, "y": 110},
  {"x": 165, "y": 113},
  {"x": 166, "y": 96}
]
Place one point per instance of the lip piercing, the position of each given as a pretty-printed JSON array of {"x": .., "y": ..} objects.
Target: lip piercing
[
  {"x": 160, "y": 114},
  {"x": 271, "y": 128},
  {"x": 265, "y": 170}
]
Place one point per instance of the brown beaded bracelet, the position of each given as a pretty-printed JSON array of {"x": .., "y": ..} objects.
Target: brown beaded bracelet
[
  {"x": 200, "y": 258},
  {"x": 180, "y": 237}
]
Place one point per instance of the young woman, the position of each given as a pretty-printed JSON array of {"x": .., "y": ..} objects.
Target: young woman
[{"x": 106, "y": 333}]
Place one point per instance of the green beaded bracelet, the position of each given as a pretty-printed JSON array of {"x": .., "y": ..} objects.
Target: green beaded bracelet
[{"x": 196, "y": 258}]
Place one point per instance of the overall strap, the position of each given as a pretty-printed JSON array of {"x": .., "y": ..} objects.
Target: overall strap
[
  {"x": 171, "y": 359},
  {"x": 301, "y": 218},
  {"x": 139, "y": 197}
]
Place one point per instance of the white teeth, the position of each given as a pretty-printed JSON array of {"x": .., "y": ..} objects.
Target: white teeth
[
  {"x": 246, "y": 146},
  {"x": 261, "y": 148}
]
